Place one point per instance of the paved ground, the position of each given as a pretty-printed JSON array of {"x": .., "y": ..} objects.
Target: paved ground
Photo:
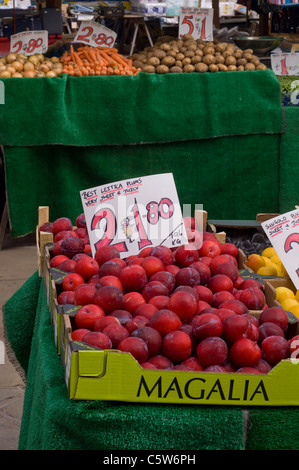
[{"x": 18, "y": 261}]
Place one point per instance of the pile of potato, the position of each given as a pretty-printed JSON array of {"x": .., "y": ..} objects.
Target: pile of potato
[
  {"x": 187, "y": 55},
  {"x": 36, "y": 65}
]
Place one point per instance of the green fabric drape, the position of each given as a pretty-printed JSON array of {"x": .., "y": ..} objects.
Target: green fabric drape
[{"x": 141, "y": 109}]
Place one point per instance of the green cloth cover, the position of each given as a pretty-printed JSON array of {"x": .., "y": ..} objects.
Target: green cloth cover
[
  {"x": 232, "y": 177},
  {"x": 144, "y": 108},
  {"x": 53, "y": 422}
]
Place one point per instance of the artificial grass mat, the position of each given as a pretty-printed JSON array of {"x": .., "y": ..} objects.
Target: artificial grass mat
[{"x": 51, "y": 421}]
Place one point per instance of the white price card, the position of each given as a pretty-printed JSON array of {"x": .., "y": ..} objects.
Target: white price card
[
  {"x": 283, "y": 233},
  {"x": 29, "y": 42},
  {"x": 198, "y": 22},
  {"x": 285, "y": 64},
  {"x": 94, "y": 34},
  {"x": 133, "y": 214}
]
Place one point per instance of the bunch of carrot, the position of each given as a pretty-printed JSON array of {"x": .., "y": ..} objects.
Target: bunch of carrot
[{"x": 87, "y": 60}]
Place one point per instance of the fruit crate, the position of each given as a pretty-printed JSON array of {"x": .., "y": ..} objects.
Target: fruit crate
[
  {"x": 42, "y": 238},
  {"x": 93, "y": 374}
]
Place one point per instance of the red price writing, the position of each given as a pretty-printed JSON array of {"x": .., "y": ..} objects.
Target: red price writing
[
  {"x": 33, "y": 44},
  {"x": 288, "y": 245},
  {"x": 100, "y": 39},
  {"x": 188, "y": 20},
  {"x": 105, "y": 220}
]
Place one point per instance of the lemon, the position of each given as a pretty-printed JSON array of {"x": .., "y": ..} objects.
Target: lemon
[
  {"x": 267, "y": 271},
  {"x": 255, "y": 262},
  {"x": 268, "y": 252},
  {"x": 275, "y": 259},
  {"x": 288, "y": 303},
  {"x": 266, "y": 259},
  {"x": 295, "y": 310},
  {"x": 297, "y": 295},
  {"x": 283, "y": 293}
]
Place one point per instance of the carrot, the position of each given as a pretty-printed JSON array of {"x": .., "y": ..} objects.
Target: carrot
[
  {"x": 78, "y": 60},
  {"x": 118, "y": 59},
  {"x": 105, "y": 56}
]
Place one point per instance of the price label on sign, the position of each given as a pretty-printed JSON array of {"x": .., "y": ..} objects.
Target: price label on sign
[
  {"x": 134, "y": 214},
  {"x": 29, "y": 42},
  {"x": 197, "y": 22},
  {"x": 95, "y": 34},
  {"x": 285, "y": 64},
  {"x": 283, "y": 233}
]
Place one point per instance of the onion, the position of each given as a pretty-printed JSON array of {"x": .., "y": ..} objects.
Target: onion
[
  {"x": 49, "y": 64},
  {"x": 29, "y": 74},
  {"x": 51, "y": 74},
  {"x": 33, "y": 59},
  {"x": 17, "y": 65},
  {"x": 17, "y": 75},
  {"x": 2, "y": 67},
  {"x": 28, "y": 66},
  {"x": 21, "y": 57},
  {"x": 44, "y": 68},
  {"x": 40, "y": 74},
  {"x": 54, "y": 59},
  {"x": 11, "y": 58},
  {"x": 11, "y": 69},
  {"x": 40, "y": 57},
  {"x": 5, "y": 74}
]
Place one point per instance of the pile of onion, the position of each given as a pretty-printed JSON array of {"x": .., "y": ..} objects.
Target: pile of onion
[{"x": 36, "y": 65}]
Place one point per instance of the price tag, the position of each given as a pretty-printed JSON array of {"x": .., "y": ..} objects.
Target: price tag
[
  {"x": 285, "y": 64},
  {"x": 95, "y": 34},
  {"x": 29, "y": 42},
  {"x": 134, "y": 214},
  {"x": 197, "y": 22},
  {"x": 283, "y": 233}
]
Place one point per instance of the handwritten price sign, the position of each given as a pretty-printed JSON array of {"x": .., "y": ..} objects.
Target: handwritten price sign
[
  {"x": 94, "y": 34},
  {"x": 134, "y": 214},
  {"x": 196, "y": 22},
  {"x": 285, "y": 64},
  {"x": 29, "y": 42},
  {"x": 283, "y": 232}
]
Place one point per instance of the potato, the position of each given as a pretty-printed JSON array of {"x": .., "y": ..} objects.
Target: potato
[
  {"x": 220, "y": 47},
  {"x": 176, "y": 69},
  {"x": 209, "y": 59},
  {"x": 180, "y": 56},
  {"x": 186, "y": 61},
  {"x": 159, "y": 53},
  {"x": 222, "y": 67},
  {"x": 149, "y": 69},
  {"x": 213, "y": 68},
  {"x": 232, "y": 68},
  {"x": 249, "y": 66},
  {"x": 249, "y": 51},
  {"x": 137, "y": 64},
  {"x": 178, "y": 63},
  {"x": 171, "y": 53},
  {"x": 208, "y": 50},
  {"x": 219, "y": 59},
  {"x": 240, "y": 68},
  {"x": 162, "y": 69},
  {"x": 261, "y": 67},
  {"x": 183, "y": 49},
  {"x": 230, "y": 60},
  {"x": 241, "y": 61},
  {"x": 198, "y": 52},
  {"x": 201, "y": 67},
  {"x": 189, "y": 53},
  {"x": 248, "y": 56},
  {"x": 165, "y": 46},
  {"x": 188, "y": 68},
  {"x": 168, "y": 60},
  {"x": 187, "y": 37},
  {"x": 153, "y": 61},
  {"x": 238, "y": 54},
  {"x": 192, "y": 47},
  {"x": 195, "y": 59}
]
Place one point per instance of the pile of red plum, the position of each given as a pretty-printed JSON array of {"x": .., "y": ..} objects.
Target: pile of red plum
[{"x": 184, "y": 308}]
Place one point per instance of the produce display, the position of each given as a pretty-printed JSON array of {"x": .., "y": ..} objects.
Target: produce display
[
  {"x": 185, "y": 308},
  {"x": 188, "y": 55},
  {"x": 36, "y": 65},
  {"x": 288, "y": 299},
  {"x": 267, "y": 263}
]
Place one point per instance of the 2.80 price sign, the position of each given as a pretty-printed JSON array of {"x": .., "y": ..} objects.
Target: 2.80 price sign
[
  {"x": 134, "y": 214},
  {"x": 29, "y": 42},
  {"x": 95, "y": 34},
  {"x": 196, "y": 22}
]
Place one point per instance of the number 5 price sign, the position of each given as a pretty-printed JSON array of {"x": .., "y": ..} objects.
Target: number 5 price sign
[
  {"x": 283, "y": 232},
  {"x": 196, "y": 22},
  {"x": 29, "y": 42},
  {"x": 95, "y": 34},
  {"x": 134, "y": 214}
]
